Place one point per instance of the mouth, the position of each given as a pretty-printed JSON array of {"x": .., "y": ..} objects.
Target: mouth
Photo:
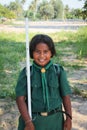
[{"x": 41, "y": 60}]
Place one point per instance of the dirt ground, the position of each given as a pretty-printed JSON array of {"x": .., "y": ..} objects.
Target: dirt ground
[{"x": 9, "y": 113}]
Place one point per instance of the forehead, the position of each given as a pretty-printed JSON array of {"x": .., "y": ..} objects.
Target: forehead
[{"x": 42, "y": 46}]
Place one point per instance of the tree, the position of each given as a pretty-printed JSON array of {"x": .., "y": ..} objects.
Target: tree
[
  {"x": 78, "y": 13},
  {"x": 84, "y": 12},
  {"x": 52, "y": 9},
  {"x": 23, "y": 1},
  {"x": 46, "y": 10},
  {"x": 66, "y": 12},
  {"x": 16, "y": 7},
  {"x": 72, "y": 13},
  {"x": 33, "y": 9},
  {"x": 4, "y": 12},
  {"x": 58, "y": 8}
]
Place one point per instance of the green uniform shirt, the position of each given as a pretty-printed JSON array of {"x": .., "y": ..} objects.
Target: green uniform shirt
[{"x": 57, "y": 88}]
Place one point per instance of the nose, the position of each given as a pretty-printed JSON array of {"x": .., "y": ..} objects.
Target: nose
[{"x": 42, "y": 54}]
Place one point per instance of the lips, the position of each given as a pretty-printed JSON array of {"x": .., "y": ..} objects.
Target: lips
[{"x": 40, "y": 60}]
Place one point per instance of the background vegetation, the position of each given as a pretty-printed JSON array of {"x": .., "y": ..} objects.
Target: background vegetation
[
  {"x": 13, "y": 55},
  {"x": 42, "y": 10}
]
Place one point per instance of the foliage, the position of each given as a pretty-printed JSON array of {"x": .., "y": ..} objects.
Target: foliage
[
  {"x": 33, "y": 10},
  {"x": 76, "y": 13},
  {"x": 16, "y": 7},
  {"x": 43, "y": 9},
  {"x": 72, "y": 13},
  {"x": 46, "y": 10},
  {"x": 66, "y": 11},
  {"x": 58, "y": 8},
  {"x": 84, "y": 12},
  {"x": 4, "y": 12}
]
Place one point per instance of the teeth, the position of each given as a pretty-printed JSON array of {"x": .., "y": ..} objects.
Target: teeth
[{"x": 41, "y": 60}]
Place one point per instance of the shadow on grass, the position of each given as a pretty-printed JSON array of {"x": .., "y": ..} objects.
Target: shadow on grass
[{"x": 11, "y": 53}]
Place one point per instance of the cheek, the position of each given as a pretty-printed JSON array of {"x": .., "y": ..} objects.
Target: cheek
[
  {"x": 35, "y": 56},
  {"x": 50, "y": 54}
]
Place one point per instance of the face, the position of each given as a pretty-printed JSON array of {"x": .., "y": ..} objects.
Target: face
[{"x": 42, "y": 54}]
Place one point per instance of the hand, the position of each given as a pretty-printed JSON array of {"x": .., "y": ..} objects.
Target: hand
[
  {"x": 29, "y": 126},
  {"x": 68, "y": 124}
]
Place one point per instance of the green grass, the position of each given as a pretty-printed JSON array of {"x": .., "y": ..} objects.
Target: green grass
[
  {"x": 80, "y": 42},
  {"x": 13, "y": 52},
  {"x": 79, "y": 92}
]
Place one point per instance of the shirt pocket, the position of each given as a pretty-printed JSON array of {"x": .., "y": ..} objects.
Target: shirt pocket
[
  {"x": 54, "y": 88},
  {"x": 36, "y": 89}
]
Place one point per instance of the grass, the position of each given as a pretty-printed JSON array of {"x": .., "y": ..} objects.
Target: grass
[
  {"x": 79, "y": 92},
  {"x": 13, "y": 52},
  {"x": 80, "y": 43}
]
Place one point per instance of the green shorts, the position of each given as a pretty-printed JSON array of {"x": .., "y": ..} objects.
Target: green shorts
[{"x": 51, "y": 122}]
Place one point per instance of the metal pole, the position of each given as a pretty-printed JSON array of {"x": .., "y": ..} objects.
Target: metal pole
[{"x": 28, "y": 68}]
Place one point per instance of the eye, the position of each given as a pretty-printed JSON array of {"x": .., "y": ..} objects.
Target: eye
[
  {"x": 37, "y": 51},
  {"x": 46, "y": 51}
]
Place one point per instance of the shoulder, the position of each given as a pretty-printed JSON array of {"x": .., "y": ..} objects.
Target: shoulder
[
  {"x": 23, "y": 71},
  {"x": 58, "y": 66},
  {"x": 59, "y": 69}
]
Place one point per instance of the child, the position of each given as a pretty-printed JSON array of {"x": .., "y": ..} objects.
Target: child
[{"x": 49, "y": 90}]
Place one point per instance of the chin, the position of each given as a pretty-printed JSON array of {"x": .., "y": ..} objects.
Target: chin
[{"x": 42, "y": 64}]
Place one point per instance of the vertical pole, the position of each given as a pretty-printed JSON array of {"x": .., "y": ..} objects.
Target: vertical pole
[{"x": 28, "y": 69}]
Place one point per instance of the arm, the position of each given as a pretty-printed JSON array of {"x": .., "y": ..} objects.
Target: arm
[
  {"x": 67, "y": 107},
  {"x": 24, "y": 112}
]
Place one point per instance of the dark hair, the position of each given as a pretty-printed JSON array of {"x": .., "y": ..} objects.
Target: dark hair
[{"x": 41, "y": 38}]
